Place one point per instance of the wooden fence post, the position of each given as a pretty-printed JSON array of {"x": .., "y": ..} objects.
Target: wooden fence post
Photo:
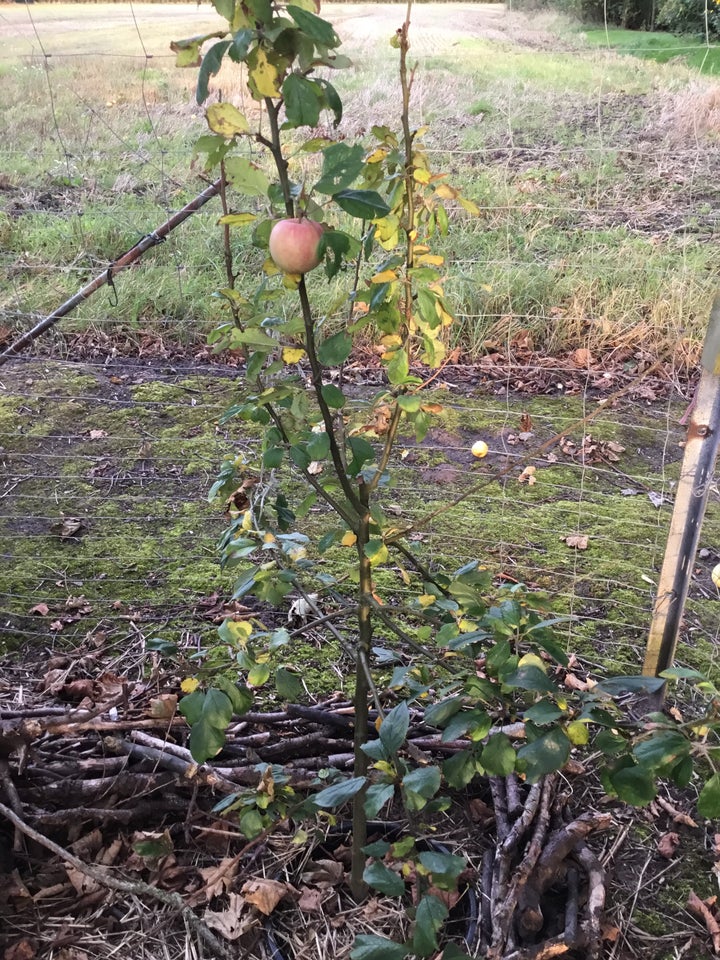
[{"x": 698, "y": 468}]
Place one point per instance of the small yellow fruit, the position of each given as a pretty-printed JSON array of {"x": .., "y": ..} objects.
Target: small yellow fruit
[
  {"x": 716, "y": 575},
  {"x": 479, "y": 449}
]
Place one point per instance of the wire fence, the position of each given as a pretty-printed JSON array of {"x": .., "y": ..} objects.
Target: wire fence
[{"x": 106, "y": 460}]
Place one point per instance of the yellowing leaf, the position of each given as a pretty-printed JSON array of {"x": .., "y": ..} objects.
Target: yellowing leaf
[
  {"x": 421, "y": 176},
  {"x": 445, "y": 192},
  {"x": 292, "y": 354},
  {"x": 237, "y": 219},
  {"x": 577, "y": 732},
  {"x": 349, "y": 540},
  {"x": 431, "y": 259},
  {"x": 268, "y": 538},
  {"x": 247, "y": 521},
  {"x": 262, "y": 74},
  {"x": 377, "y": 155},
  {"x": 291, "y": 281},
  {"x": 270, "y": 268},
  {"x": 386, "y": 276},
  {"x": 189, "y": 684},
  {"x": 468, "y": 206},
  {"x": 225, "y": 119},
  {"x": 391, "y": 340},
  {"x": 466, "y": 626},
  {"x": 426, "y": 599},
  {"x": 486, "y": 287},
  {"x": 533, "y": 660}
]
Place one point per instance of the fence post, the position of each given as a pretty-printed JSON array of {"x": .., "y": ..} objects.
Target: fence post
[{"x": 698, "y": 467}]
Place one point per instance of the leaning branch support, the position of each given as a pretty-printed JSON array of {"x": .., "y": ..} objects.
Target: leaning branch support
[
  {"x": 137, "y": 887},
  {"x": 106, "y": 277}
]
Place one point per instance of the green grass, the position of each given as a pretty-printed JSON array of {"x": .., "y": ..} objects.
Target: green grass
[
  {"x": 660, "y": 47},
  {"x": 549, "y": 138}
]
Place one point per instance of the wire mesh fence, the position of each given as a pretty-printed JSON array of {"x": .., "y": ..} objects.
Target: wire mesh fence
[{"x": 109, "y": 429}]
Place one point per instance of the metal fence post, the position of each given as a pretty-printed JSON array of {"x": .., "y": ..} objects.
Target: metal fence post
[{"x": 698, "y": 467}]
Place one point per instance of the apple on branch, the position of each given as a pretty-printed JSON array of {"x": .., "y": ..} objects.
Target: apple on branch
[{"x": 294, "y": 244}]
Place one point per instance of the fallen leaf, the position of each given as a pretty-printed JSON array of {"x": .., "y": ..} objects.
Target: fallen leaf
[
  {"x": 164, "y": 706},
  {"x": 69, "y": 528},
  {"x": 324, "y": 873},
  {"x": 233, "y": 922},
  {"x": 264, "y": 894},
  {"x": 609, "y": 932},
  {"x": 218, "y": 878},
  {"x": 311, "y": 900},
  {"x": 702, "y": 909},
  {"x": 528, "y": 476},
  {"x": 42, "y": 609},
  {"x": 24, "y": 949},
  {"x": 82, "y": 883},
  {"x": 667, "y": 845},
  {"x": 576, "y": 541},
  {"x": 97, "y": 435},
  {"x": 656, "y": 499},
  {"x": 581, "y": 357}
]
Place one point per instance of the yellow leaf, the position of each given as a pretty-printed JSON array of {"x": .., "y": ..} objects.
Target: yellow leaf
[
  {"x": 426, "y": 599},
  {"x": 377, "y": 155},
  {"x": 247, "y": 521},
  {"x": 533, "y": 660},
  {"x": 577, "y": 732},
  {"x": 291, "y": 281},
  {"x": 262, "y": 74},
  {"x": 715, "y": 575},
  {"x": 404, "y": 575},
  {"x": 268, "y": 538},
  {"x": 486, "y": 287},
  {"x": 349, "y": 540},
  {"x": 189, "y": 684},
  {"x": 433, "y": 259},
  {"x": 432, "y": 408},
  {"x": 238, "y": 219},
  {"x": 469, "y": 206},
  {"x": 270, "y": 268},
  {"x": 466, "y": 626},
  {"x": 292, "y": 354},
  {"x": 391, "y": 340},
  {"x": 421, "y": 176},
  {"x": 225, "y": 119},
  {"x": 445, "y": 192},
  {"x": 386, "y": 276}
]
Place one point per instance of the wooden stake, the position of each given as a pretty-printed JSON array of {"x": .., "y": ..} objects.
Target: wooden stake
[{"x": 698, "y": 467}]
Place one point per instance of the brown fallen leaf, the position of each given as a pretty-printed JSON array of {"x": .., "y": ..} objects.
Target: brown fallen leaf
[
  {"x": 528, "y": 476},
  {"x": 702, "y": 909},
  {"x": 667, "y": 845},
  {"x": 164, "y": 706},
  {"x": 82, "y": 883},
  {"x": 42, "y": 609},
  {"x": 576, "y": 541},
  {"x": 24, "y": 949},
  {"x": 311, "y": 900},
  {"x": 219, "y": 877},
  {"x": 264, "y": 894},
  {"x": 233, "y": 922},
  {"x": 677, "y": 815},
  {"x": 581, "y": 357}
]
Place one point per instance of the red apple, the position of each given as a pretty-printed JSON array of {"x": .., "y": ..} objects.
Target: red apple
[{"x": 294, "y": 244}]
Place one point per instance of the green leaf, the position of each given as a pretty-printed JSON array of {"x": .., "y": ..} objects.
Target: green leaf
[
  {"x": 618, "y": 685},
  {"x": 424, "y": 781},
  {"x": 333, "y": 396},
  {"x": 530, "y": 677},
  {"x": 251, "y": 824},
  {"x": 210, "y": 66},
  {"x": 444, "y": 867},
  {"x": 259, "y": 674},
  {"x": 339, "y": 793},
  {"x": 634, "y": 785},
  {"x": 288, "y": 684},
  {"x": 217, "y": 709},
  {"x": 206, "y": 741},
  {"x": 299, "y": 456},
  {"x": 429, "y": 918},
  {"x": 362, "y": 452},
  {"x": 368, "y": 946},
  {"x": 545, "y": 755},
  {"x": 386, "y": 881},
  {"x": 394, "y": 728},
  {"x": 302, "y": 101},
  {"x": 341, "y": 166},
  {"x": 314, "y": 27},
  {"x": 377, "y": 796},
  {"x": 246, "y": 177},
  {"x": 543, "y": 712},
  {"x": 362, "y": 204},
  {"x": 709, "y": 800},
  {"x": 611, "y": 744},
  {"x": 438, "y": 714},
  {"x": 335, "y": 350},
  {"x": 453, "y": 952},
  {"x": 498, "y": 756},
  {"x": 399, "y": 367},
  {"x": 273, "y": 457},
  {"x": 662, "y": 748},
  {"x": 459, "y": 769},
  {"x": 239, "y": 696}
]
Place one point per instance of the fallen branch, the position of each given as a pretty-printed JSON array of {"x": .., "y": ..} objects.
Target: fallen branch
[{"x": 138, "y": 888}]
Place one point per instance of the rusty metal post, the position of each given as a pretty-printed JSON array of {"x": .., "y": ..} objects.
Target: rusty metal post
[{"x": 698, "y": 468}]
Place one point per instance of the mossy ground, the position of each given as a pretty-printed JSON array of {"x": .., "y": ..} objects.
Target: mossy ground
[{"x": 131, "y": 454}]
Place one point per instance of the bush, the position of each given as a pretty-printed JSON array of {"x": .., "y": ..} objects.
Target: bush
[{"x": 689, "y": 17}]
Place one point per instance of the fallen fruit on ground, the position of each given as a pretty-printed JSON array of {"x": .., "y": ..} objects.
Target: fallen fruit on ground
[
  {"x": 294, "y": 244},
  {"x": 479, "y": 449}
]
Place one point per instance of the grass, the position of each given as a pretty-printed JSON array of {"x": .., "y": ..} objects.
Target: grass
[
  {"x": 660, "y": 47},
  {"x": 577, "y": 220}
]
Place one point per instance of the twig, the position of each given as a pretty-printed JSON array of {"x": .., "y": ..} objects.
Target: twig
[
  {"x": 137, "y": 887},
  {"x": 595, "y": 900},
  {"x": 15, "y": 802}
]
